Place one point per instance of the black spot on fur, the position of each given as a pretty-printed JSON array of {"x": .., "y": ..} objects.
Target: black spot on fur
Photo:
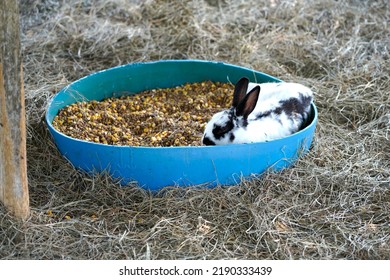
[
  {"x": 294, "y": 105},
  {"x": 208, "y": 142},
  {"x": 263, "y": 115},
  {"x": 244, "y": 123},
  {"x": 220, "y": 131},
  {"x": 290, "y": 107},
  {"x": 231, "y": 138}
]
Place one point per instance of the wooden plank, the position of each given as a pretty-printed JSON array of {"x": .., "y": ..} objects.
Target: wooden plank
[{"x": 13, "y": 160}]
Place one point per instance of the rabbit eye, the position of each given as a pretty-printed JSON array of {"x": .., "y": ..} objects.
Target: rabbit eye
[{"x": 220, "y": 131}]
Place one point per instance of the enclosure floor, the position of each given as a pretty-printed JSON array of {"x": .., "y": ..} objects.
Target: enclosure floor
[{"x": 334, "y": 203}]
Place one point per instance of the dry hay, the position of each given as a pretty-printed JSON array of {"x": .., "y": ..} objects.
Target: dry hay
[{"x": 333, "y": 204}]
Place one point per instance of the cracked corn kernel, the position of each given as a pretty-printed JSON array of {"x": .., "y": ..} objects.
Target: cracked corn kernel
[{"x": 155, "y": 118}]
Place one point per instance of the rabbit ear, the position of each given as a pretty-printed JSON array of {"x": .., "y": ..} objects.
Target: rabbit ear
[
  {"x": 240, "y": 91},
  {"x": 248, "y": 104}
]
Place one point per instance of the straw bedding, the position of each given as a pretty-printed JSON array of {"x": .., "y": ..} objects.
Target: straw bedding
[{"x": 334, "y": 203}]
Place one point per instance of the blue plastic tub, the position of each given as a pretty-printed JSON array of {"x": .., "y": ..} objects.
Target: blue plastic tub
[{"x": 157, "y": 167}]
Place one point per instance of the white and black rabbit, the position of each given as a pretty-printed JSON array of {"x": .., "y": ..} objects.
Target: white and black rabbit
[{"x": 260, "y": 112}]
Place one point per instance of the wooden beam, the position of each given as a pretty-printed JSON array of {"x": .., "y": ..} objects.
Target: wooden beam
[{"x": 13, "y": 159}]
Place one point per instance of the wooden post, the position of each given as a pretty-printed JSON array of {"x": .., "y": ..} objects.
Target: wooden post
[{"x": 13, "y": 160}]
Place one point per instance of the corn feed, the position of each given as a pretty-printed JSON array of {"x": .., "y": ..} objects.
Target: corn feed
[{"x": 157, "y": 118}]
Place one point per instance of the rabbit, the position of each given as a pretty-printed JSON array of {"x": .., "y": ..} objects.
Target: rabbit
[{"x": 279, "y": 110}]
